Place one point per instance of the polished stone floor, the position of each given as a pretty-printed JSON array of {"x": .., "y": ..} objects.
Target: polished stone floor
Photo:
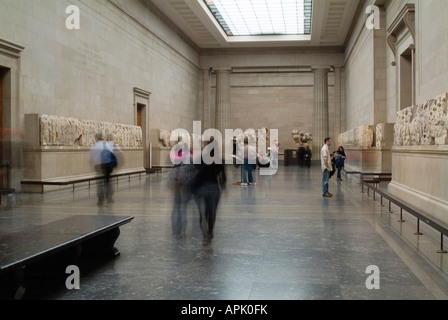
[{"x": 278, "y": 240}]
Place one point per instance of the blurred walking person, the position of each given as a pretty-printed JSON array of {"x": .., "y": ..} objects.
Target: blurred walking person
[
  {"x": 104, "y": 161},
  {"x": 207, "y": 188},
  {"x": 180, "y": 181}
]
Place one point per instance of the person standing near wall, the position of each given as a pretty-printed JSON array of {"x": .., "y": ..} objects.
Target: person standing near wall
[{"x": 326, "y": 167}]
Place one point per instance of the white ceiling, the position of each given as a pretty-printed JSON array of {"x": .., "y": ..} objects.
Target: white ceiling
[{"x": 331, "y": 23}]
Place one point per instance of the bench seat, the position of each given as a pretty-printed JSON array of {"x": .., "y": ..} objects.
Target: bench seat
[
  {"x": 74, "y": 181},
  {"x": 80, "y": 234}
]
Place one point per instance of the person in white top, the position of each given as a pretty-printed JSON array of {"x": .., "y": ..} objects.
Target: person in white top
[
  {"x": 250, "y": 163},
  {"x": 326, "y": 167}
]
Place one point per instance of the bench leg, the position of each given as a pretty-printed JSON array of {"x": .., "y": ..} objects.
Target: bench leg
[
  {"x": 20, "y": 279},
  {"x": 12, "y": 284},
  {"x": 19, "y": 293},
  {"x": 418, "y": 228},
  {"x": 401, "y": 216},
  {"x": 441, "y": 245},
  {"x": 103, "y": 244}
]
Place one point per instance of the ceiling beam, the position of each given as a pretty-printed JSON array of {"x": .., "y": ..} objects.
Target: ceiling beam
[
  {"x": 208, "y": 20},
  {"x": 320, "y": 11}
]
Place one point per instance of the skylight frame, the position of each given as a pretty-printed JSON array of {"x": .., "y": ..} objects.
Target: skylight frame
[{"x": 238, "y": 18}]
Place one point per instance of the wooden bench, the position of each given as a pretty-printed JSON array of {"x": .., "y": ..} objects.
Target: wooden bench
[
  {"x": 154, "y": 170},
  {"x": 377, "y": 176},
  {"x": 60, "y": 243},
  {"x": 371, "y": 177},
  {"x": 383, "y": 176},
  {"x": 375, "y": 182},
  {"x": 419, "y": 214},
  {"x": 56, "y": 182}
]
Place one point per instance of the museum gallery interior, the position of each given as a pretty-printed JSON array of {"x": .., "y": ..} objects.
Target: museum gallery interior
[{"x": 149, "y": 75}]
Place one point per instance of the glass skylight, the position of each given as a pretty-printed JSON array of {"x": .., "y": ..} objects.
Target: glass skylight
[{"x": 262, "y": 17}]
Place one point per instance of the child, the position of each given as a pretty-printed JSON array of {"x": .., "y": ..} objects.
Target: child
[{"x": 340, "y": 159}]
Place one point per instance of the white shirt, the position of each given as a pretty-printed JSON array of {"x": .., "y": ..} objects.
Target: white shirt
[
  {"x": 250, "y": 153},
  {"x": 325, "y": 154}
]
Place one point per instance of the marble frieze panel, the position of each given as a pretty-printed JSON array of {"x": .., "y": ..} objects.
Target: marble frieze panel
[
  {"x": 423, "y": 124},
  {"x": 302, "y": 138},
  {"x": 57, "y": 131},
  {"x": 361, "y": 137}
]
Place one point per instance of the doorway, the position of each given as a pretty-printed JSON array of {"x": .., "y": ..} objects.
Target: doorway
[
  {"x": 140, "y": 108},
  {"x": 141, "y": 122},
  {"x": 406, "y": 79},
  {"x": 141, "y": 102}
]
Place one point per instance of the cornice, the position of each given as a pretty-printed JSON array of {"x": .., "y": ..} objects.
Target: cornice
[
  {"x": 142, "y": 93},
  {"x": 405, "y": 19},
  {"x": 272, "y": 50},
  {"x": 10, "y": 49}
]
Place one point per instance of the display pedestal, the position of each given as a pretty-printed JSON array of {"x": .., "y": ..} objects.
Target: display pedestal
[{"x": 419, "y": 178}]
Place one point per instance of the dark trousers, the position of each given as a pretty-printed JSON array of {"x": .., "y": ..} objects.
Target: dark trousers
[
  {"x": 247, "y": 172},
  {"x": 339, "y": 166},
  {"x": 179, "y": 215},
  {"x": 105, "y": 190},
  {"x": 207, "y": 199}
]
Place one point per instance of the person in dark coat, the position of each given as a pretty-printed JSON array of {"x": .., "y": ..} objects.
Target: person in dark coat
[
  {"x": 301, "y": 154},
  {"x": 308, "y": 156},
  {"x": 340, "y": 161},
  {"x": 207, "y": 188}
]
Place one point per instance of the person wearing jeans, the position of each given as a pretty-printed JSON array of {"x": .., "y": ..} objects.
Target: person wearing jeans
[
  {"x": 340, "y": 161},
  {"x": 326, "y": 167},
  {"x": 247, "y": 173},
  {"x": 250, "y": 160}
]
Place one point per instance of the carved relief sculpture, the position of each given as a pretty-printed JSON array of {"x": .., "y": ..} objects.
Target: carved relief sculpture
[
  {"x": 70, "y": 132},
  {"x": 302, "y": 138},
  {"x": 384, "y": 135},
  {"x": 423, "y": 124},
  {"x": 164, "y": 138},
  {"x": 361, "y": 137},
  {"x": 380, "y": 135}
]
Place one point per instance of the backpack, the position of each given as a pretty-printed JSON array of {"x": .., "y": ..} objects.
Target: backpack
[
  {"x": 183, "y": 175},
  {"x": 186, "y": 174},
  {"x": 108, "y": 157}
]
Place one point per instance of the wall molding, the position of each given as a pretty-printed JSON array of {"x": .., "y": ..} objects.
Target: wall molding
[
  {"x": 10, "y": 49},
  {"x": 401, "y": 27}
]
